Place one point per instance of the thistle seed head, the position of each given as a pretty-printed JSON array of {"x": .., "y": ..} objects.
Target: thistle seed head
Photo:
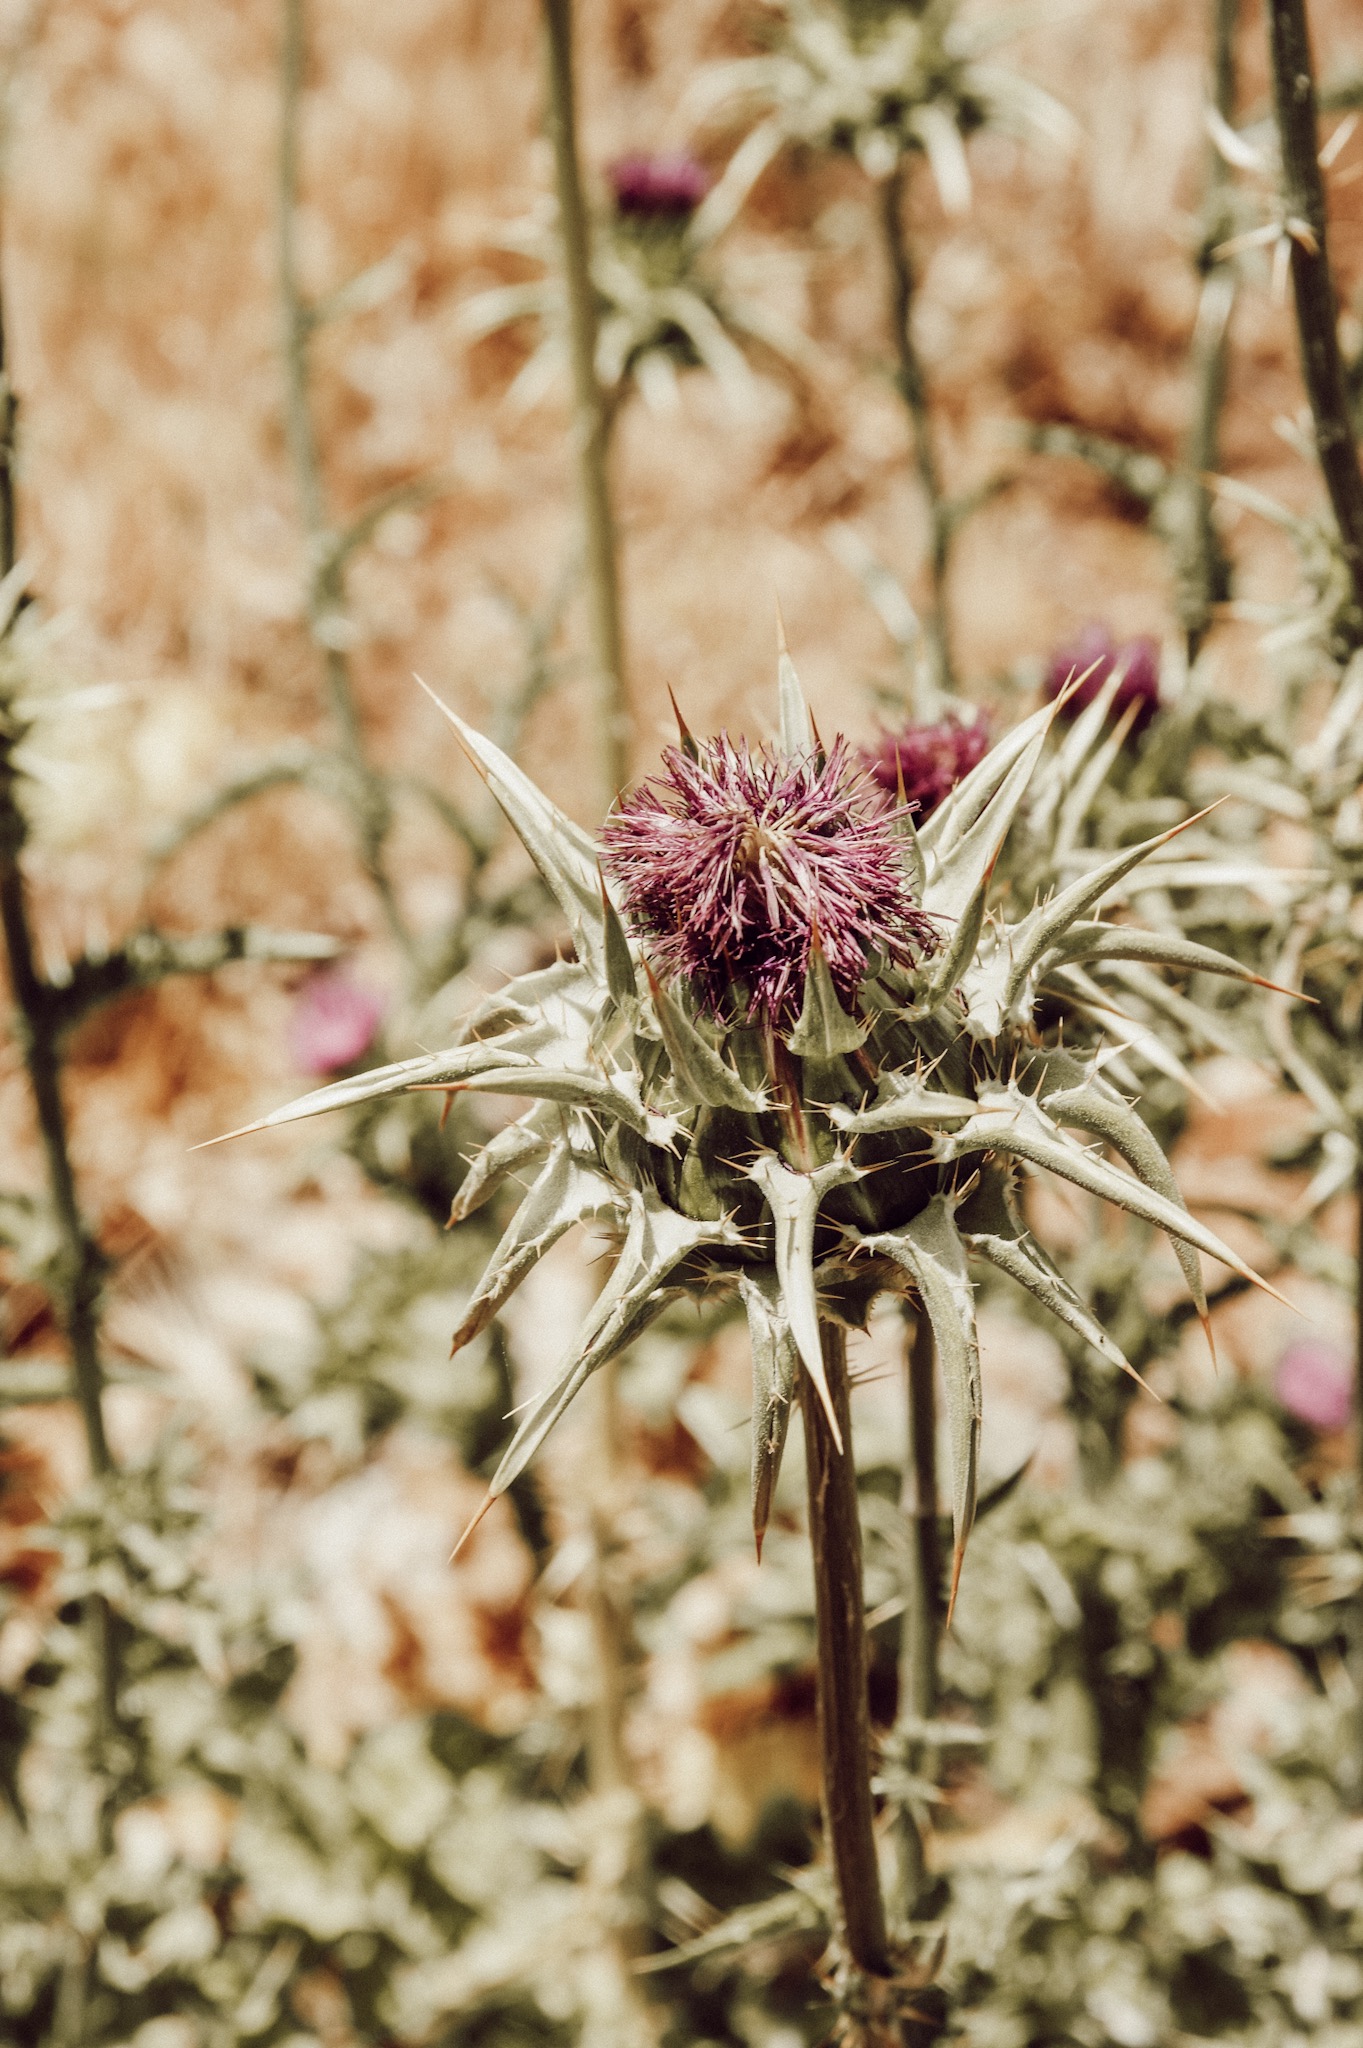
[
  {"x": 735, "y": 861},
  {"x": 926, "y": 760}
]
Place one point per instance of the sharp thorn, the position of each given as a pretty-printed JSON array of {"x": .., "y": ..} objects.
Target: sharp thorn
[{"x": 487, "y": 1503}]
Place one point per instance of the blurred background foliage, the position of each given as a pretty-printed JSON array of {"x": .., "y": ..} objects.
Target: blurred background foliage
[{"x": 931, "y": 326}]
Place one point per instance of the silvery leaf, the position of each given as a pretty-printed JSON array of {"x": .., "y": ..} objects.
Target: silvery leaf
[
  {"x": 795, "y": 726},
  {"x": 520, "y": 1143},
  {"x": 701, "y": 1073},
  {"x": 774, "y": 1359},
  {"x": 657, "y": 1241},
  {"x": 957, "y": 812},
  {"x": 930, "y": 1251},
  {"x": 793, "y": 1199},
  {"x": 824, "y": 1031},
  {"x": 1017, "y": 1127},
  {"x": 902, "y": 1104},
  {"x": 1086, "y": 1103},
  {"x": 563, "y": 853},
  {"x": 566, "y": 1192}
]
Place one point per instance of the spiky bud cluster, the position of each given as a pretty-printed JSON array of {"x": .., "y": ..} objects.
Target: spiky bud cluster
[
  {"x": 921, "y": 763},
  {"x": 1091, "y": 659},
  {"x": 764, "y": 1076},
  {"x": 667, "y": 187}
]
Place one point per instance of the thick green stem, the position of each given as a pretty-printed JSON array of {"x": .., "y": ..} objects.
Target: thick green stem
[
  {"x": 1294, "y": 95},
  {"x": 1204, "y": 573},
  {"x": 912, "y": 386},
  {"x": 844, "y": 1708},
  {"x": 366, "y": 791},
  {"x": 591, "y": 420}
]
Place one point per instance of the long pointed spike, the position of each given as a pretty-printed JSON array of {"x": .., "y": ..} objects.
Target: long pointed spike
[
  {"x": 443, "y": 708},
  {"x": 489, "y": 1498},
  {"x": 957, "y": 1561},
  {"x": 825, "y": 1394},
  {"x": 689, "y": 744}
]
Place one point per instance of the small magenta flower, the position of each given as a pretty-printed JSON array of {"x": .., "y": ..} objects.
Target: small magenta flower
[
  {"x": 928, "y": 760},
  {"x": 735, "y": 858},
  {"x": 1314, "y": 1382},
  {"x": 1094, "y": 654},
  {"x": 334, "y": 1022},
  {"x": 667, "y": 187}
]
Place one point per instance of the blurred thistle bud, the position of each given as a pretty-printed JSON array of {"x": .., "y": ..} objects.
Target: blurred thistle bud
[
  {"x": 668, "y": 187},
  {"x": 1094, "y": 655},
  {"x": 334, "y": 1023},
  {"x": 736, "y": 862},
  {"x": 926, "y": 761},
  {"x": 1314, "y": 1382}
]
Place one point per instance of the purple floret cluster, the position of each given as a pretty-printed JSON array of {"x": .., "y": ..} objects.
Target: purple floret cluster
[
  {"x": 1094, "y": 654},
  {"x": 667, "y": 187},
  {"x": 926, "y": 760},
  {"x": 732, "y": 860}
]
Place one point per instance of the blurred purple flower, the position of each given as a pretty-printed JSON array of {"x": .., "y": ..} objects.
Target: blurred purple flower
[
  {"x": 666, "y": 187},
  {"x": 733, "y": 858},
  {"x": 1314, "y": 1382},
  {"x": 1094, "y": 650},
  {"x": 333, "y": 1023},
  {"x": 929, "y": 759}
]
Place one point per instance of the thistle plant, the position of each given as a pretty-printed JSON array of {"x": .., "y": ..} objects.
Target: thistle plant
[
  {"x": 888, "y": 82},
  {"x": 801, "y": 1055}
]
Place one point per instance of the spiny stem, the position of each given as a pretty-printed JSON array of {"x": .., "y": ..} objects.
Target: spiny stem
[
  {"x": 844, "y": 1708},
  {"x": 1294, "y": 96},
  {"x": 591, "y": 419},
  {"x": 1204, "y": 573},
  {"x": 912, "y": 387},
  {"x": 367, "y": 793},
  {"x": 923, "y": 1590},
  {"x": 78, "y": 1270}
]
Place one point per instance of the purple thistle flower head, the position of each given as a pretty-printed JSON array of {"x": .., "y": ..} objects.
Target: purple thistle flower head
[
  {"x": 734, "y": 859},
  {"x": 1095, "y": 650},
  {"x": 1314, "y": 1382},
  {"x": 928, "y": 759},
  {"x": 333, "y": 1023},
  {"x": 668, "y": 187}
]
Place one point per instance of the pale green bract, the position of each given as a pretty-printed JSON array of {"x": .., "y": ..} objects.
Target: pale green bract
[{"x": 863, "y": 1155}]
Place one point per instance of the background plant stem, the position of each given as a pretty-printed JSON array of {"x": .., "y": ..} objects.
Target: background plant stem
[
  {"x": 77, "y": 1272},
  {"x": 844, "y": 1709},
  {"x": 366, "y": 791},
  {"x": 590, "y": 413},
  {"x": 912, "y": 387},
  {"x": 1294, "y": 97},
  {"x": 1204, "y": 578}
]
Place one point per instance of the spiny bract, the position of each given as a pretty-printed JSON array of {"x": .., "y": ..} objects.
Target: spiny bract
[{"x": 814, "y": 1155}]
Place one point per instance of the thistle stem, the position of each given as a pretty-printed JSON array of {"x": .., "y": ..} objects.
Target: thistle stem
[
  {"x": 844, "y": 1708},
  {"x": 1204, "y": 573},
  {"x": 591, "y": 416},
  {"x": 922, "y": 1607},
  {"x": 1294, "y": 96},
  {"x": 912, "y": 387},
  {"x": 366, "y": 790}
]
